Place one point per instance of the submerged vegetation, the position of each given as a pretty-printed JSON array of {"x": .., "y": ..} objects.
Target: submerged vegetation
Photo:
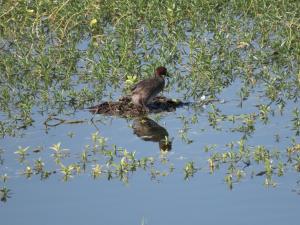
[{"x": 59, "y": 57}]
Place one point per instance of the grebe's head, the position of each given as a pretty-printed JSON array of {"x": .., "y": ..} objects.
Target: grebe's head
[{"x": 161, "y": 71}]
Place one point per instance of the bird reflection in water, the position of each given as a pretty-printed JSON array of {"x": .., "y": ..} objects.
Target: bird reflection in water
[{"x": 149, "y": 130}]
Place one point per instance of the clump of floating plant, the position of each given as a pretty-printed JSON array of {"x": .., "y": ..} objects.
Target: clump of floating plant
[
  {"x": 59, "y": 152},
  {"x": 22, "y": 153},
  {"x": 296, "y": 121},
  {"x": 5, "y": 192},
  {"x": 183, "y": 132},
  {"x": 67, "y": 171},
  {"x": 189, "y": 170},
  {"x": 239, "y": 162},
  {"x": 96, "y": 171},
  {"x": 96, "y": 158}
]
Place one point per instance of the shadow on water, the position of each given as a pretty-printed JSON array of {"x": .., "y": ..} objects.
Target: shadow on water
[{"x": 149, "y": 130}]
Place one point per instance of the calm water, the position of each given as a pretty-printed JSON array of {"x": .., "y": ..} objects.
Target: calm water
[{"x": 202, "y": 199}]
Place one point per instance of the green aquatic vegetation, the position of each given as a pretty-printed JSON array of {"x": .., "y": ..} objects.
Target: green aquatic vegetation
[
  {"x": 189, "y": 170},
  {"x": 22, "y": 153},
  {"x": 28, "y": 172},
  {"x": 234, "y": 176},
  {"x": 5, "y": 194},
  {"x": 228, "y": 180},
  {"x": 296, "y": 121},
  {"x": 247, "y": 127},
  {"x": 96, "y": 171},
  {"x": 280, "y": 169},
  {"x": 84, "y": 157},
  {"x": 264, "y": 111},
  {"x": 4, "y": 178},
  {"x": 183, "y": 132},
  {"x": 56, "y": 47},
  {"x": 208, "y": 148},
  {"x": 67, "y": 171},
  {"x": 119, "y": 163},
  {"x": 99, "y": 142},
  {"x": 39, "y": 166},
  {"x": 60, "y": 57},
  {"x": 71, "y": 134},
  {"x": 215, "y": 117},
  {"x": 59, "y": 152},
  {"x": 261, "y": 154},
  {"x": 240, "y": 158}
]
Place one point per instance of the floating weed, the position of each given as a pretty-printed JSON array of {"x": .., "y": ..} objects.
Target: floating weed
[
  {"x": 84, "y": 157},
  {"x": 208, "y": 148},
  {"x": 59, "y": 152},
  {"x": 215, "y": 117},
  {"x": 39, "y": 166},
  {"x": 296, "y": 121},
  {"x": 95, "y": 136},
  {"x": 71, "y": 134},
  {"x": 240, "y": 174},
  {"x": 1, "y": 156},
  {"x": 280, "y": 169},
  {"x": 5, "y": 194},
  {"x": 67, "y": 171},
  {"x": 269, "y": 182},
  {"x": 4, "y": 178},
  {"x": 119, "y": 163},
  {"x": 57, "y": 148},
  {"x": 27, "y": 172},
  {"x": 248, "y": 126},
  {"x": 96, "y": 171},
  {"x": 22, "y": 152},
  {"x": 294, "y": 149},
  {"x": 171, "y": 168},
  {"x": 261, "y": 154},
  {"x": 189, "y": 170},
  {"x": 229, "y": 181},
  {"x": 99, "y": 142},
  {"x": 264, "y": 111}
]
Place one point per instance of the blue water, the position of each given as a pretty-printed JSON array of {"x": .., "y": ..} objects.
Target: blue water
[{"x": 202, "y": 199}]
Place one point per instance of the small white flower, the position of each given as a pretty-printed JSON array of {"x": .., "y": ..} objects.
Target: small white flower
[{"x": 203, "y": 98}]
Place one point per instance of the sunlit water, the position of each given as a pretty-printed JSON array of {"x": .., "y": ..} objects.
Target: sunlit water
[
  {"x": 167, "y": 198},
  {"x": 201, "y": 199}
]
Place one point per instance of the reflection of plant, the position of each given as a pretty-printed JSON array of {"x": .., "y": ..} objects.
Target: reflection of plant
[
  {"x": 1, "y": 157},
  {"x": 4, "y": 191}
]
